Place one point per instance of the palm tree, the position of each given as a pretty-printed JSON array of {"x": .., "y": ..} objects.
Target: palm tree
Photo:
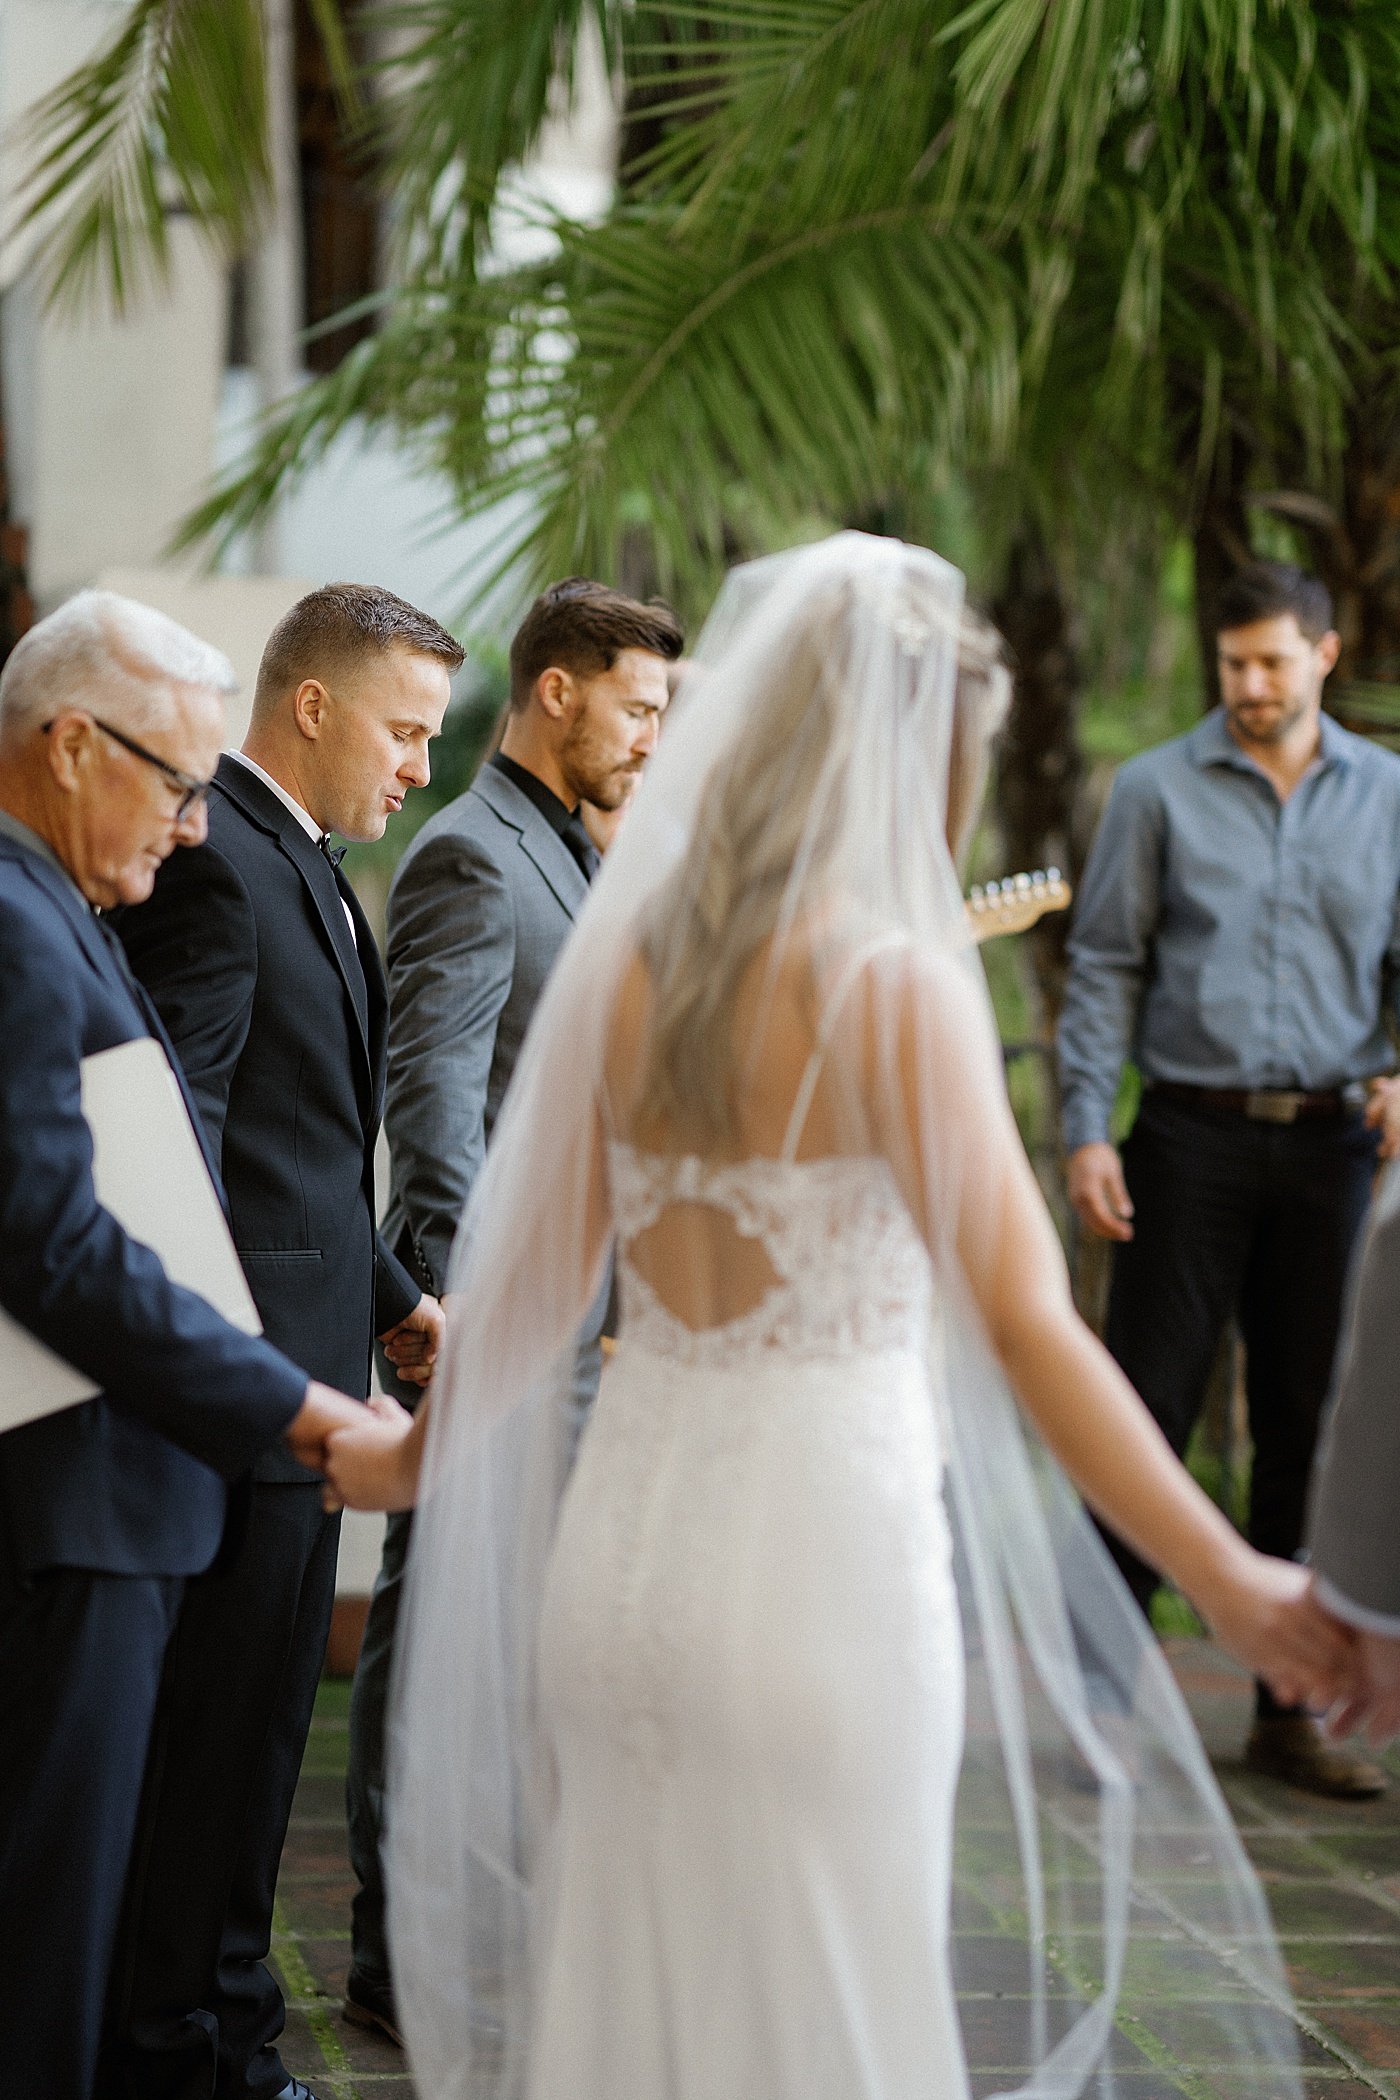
[{"x": 1104, "y": 270}]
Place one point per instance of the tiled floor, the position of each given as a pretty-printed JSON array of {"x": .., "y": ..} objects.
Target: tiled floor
[{"x": 1331, "y": 1873}]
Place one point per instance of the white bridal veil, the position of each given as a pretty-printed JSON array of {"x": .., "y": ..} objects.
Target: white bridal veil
[{"x": 1107, "y": 1925}]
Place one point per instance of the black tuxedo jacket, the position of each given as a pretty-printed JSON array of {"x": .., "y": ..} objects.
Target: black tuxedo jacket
[
  {"x": 130, "y": 1483},
  {"x": 279, "y": 1017}
]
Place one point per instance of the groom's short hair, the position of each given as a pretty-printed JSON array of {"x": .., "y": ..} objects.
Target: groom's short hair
[
  {"x": 343, "y": 624},
  {"x": 583, "y": 627}
]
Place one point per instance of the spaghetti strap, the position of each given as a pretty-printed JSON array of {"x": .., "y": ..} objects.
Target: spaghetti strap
[{"x": 807, "y": 1085}]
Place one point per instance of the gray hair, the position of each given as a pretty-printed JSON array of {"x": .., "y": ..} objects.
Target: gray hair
[{"x": 100, "y": 647}]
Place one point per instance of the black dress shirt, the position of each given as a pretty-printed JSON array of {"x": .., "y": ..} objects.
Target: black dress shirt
[{"x": 567, "y": 822}]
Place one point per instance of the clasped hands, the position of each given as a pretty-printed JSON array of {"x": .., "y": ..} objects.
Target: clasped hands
[
  {"x": 359, "y": 1447},
  {"x": 1274, "y": 1621},
  {"x": 1369, "y": 1701}
]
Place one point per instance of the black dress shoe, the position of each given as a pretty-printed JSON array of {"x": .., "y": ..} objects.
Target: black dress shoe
[
  {"x": 371, "y": 2005},
  {"x": 1292, "y": 1747}
]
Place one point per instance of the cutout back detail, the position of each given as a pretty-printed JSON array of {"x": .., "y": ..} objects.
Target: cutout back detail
[{"x": 816, "y": 1258}]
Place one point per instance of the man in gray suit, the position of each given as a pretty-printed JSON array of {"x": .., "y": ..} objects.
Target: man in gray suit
[
  {"x": 1352, "y": 1533},
  {"x": 478, "y": 911}
]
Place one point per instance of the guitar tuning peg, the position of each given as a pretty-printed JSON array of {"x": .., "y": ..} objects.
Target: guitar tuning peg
[
  {"x": 1023, "y": 882},
  {"x": 975, "y": 896},
  {"x": 993, "y": 891},
  {"x": 1052, "y": 875}
]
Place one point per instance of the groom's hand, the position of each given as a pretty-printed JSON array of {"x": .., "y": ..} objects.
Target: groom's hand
[
  {"x": 412, "y": 1346},
  {"x": 322, "y": 1412}
]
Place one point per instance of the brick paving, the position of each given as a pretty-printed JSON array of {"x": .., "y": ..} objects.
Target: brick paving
[{"x": 1331, "y": 1871}]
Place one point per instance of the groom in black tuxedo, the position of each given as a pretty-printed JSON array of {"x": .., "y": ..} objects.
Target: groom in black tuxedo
[{"x": 265, "y": 971}]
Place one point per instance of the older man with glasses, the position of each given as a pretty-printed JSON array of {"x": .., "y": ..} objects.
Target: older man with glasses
[{"x": 110, "y": 726}]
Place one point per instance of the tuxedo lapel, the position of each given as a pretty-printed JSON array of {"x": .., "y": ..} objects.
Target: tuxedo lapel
[
  {"x": 376, "y": 992},
  {"x": 258, "y": 803},
  {"x": 324, "y": 883}
]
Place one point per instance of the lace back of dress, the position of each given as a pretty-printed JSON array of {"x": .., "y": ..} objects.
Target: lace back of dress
[{"x": 720, "y": 1261}]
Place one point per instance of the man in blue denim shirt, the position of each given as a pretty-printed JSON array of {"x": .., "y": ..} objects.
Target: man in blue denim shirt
[{"x": 1238, "y": 937}]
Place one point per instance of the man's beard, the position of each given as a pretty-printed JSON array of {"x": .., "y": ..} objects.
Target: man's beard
[
  {"x": 580, "y": 761},
  {"x": 1271, "y": 729}
]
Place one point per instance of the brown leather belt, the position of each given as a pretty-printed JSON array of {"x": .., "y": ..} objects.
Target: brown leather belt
[{"x": 1266, "y": 1105}]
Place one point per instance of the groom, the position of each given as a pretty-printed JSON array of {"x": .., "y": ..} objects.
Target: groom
[{"x": 480, "y": 907}]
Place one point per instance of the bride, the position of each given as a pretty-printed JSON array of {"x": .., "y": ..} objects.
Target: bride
[{"x": 699, "y": 1727}]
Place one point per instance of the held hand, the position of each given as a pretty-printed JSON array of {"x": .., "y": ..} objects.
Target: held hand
[
  {"x": 321, "y": 1413},
  {"x": 1265, "y": 1613},
  {"x": 1383, "y": 1114},
  {"x": 1098, "y": 1191},
  {"x": 1371, "y": 1702},
  {"x": 373, "y": 1463},
  {"x": 412, "y": 1346}
]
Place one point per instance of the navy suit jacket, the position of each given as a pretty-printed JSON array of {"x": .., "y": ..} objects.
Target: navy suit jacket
[
  {"x": 279, "y": 1017},
  {"x": 131, "y": 1483}
]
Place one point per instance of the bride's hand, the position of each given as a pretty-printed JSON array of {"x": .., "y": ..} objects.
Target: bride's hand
[
  {"x": 374, "y": 1465},
  {"x": 1265, "y": 1613}
]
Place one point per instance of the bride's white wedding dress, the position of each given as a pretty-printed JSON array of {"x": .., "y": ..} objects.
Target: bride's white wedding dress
[
  {"x": 750, "y": 1664},
  {"x": 677, "y": 1735}
]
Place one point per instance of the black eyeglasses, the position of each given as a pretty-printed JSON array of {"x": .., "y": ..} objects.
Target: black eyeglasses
[{"x": 192, "y": 792}]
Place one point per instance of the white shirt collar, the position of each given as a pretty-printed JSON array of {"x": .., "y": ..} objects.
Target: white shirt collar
[{"x": 304, "y": 818}]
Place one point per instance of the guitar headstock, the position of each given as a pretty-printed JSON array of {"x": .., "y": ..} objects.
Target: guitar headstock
[{"x": 1015, "y": 903}]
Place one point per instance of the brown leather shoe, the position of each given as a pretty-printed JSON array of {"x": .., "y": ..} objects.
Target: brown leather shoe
[{"x": 1292, "y": 1747}]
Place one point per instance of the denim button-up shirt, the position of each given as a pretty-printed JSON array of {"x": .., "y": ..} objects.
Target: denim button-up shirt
[{"x": 1223, "y": 938}]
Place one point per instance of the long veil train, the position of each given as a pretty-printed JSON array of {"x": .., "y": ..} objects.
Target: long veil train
[{"x": 1106, "y": 1921}]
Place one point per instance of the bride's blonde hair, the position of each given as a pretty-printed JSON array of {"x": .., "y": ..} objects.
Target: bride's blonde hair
[{"x": 764, "y": 832}]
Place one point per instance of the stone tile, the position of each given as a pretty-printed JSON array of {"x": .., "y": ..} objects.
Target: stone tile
[
  {"x": 1366, "y": 1854},
  {"x": 1370, "y": 2031},
  {"x": 1322, "y": 1910},
  {"x": 985, "y": 1964},
  {"x": 1151, "y": 2084},
  {"x": 999, "y": 2034},
  {"x": 328, "y": 1960},
  {"x": 972, "y": 1913},
  {"x": 368, "y": 2052},
  {"x": 1264, "y": 2084},
  {"x": 1200, "y": 2033},
  {"x": 1324, "y": 1864},
  {"x": 322, "y": 1795},
  {"x": 1342, "y": 1969}
]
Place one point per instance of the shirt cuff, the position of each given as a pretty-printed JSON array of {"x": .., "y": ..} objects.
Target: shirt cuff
[
  {"x": 1330, "y": 1597},
  {"x": 1085, "y": 1123}
]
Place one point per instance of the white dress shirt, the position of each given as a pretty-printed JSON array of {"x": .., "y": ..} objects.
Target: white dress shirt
[{"x": 303, "y": 816}]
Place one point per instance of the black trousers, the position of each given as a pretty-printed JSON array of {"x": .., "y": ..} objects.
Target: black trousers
[
  {"x": 195, "y": 2011},
  {"x": 80, "y": 1668},
  {"x": 1255, "y": 1220}
]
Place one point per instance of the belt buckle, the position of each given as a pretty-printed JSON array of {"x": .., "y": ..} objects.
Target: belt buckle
[{"x": 1276, "y": 1106}]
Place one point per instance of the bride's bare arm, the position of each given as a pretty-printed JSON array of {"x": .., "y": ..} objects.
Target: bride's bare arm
[{"x": 960, "y": 1143}]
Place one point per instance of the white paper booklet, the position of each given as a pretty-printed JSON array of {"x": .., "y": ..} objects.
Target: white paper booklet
[{"x": 148, "y": 1171}]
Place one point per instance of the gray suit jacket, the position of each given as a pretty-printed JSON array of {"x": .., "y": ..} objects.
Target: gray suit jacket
[
  {"x": 480, "y": 906},
  {"x": 1354, "y": 1533}
]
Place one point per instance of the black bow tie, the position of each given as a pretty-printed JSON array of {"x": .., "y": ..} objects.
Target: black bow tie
[{"x": 334, "y": 854}]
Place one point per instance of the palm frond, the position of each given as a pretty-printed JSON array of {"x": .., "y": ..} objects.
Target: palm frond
[
  {"x": 168, "y": 114},
  {"x": 462, "y": 91},
  {"x": 629, "y": 378}
]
